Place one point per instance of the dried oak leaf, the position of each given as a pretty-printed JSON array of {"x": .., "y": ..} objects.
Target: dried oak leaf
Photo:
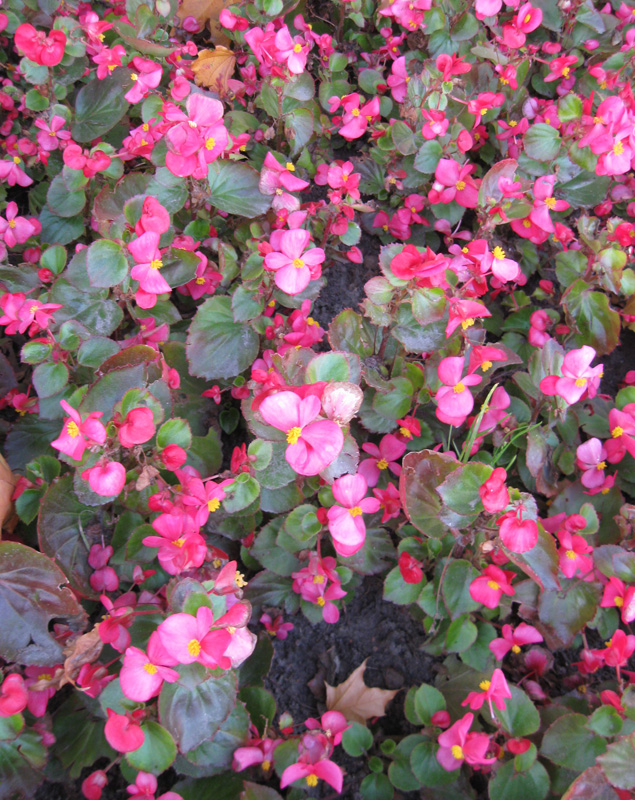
[
  {"x": 214, "y": 68},
  {"x": 357, "y": 701},
  {"x": 207, "y": 11}
]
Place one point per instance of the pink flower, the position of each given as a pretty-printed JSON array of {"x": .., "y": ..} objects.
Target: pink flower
[
  {"x": 257, "y": 751},
  {"x": 487, "y": 8},
  {"x": 188, "y": 639},
  {"x": 491, "y": 585},
  {"x": 142, "y": 675},
  {"x": 618, "y": 595},
  {"x": 544, "y": 202},
  {"x": 13, "y": 695},
  {"x": 106, "y": 478},
  {"x": 123, "y": 734},
  {"x": 138, "y": 427},
  {"x": 38, "y": 699},
  {"x": 145, "y": 251},
  {"x": 113, "y": 629},
  {"x": 591, "y": 457},
  {"x": 93, "y": 785},
  {"x": 12, "y": 172},
  {"x": 622, "y": 427},
  {"x": 333, "y": 723},
  {"x": 457, "y": 745},
  {"x": 294, "y": 266},
  {"x": 410, "y": 568},
  {"x": 76, "y": 435},
  {"x": 325, "y": 769},
  {"x": 292, "y": 51},
  {"x": 513, "y": 638},
  {"x": 452, "y": 182},
  {"x": 276, "y": 626},
  {"x": 345, "y": 520},
  {"x": 355, "y": 119},
  {"x": 495, "y": 692},
  {"x": 454, "y": 400},
  {"x": 517, "y": 534},
  {"x": 180, "y": 545},
  {"x": 45, "y": 50},
  {"x": 398, "y": 80},
  {"x": 383, "y": 457},
  {"x": 198, "y": 137},
  {"x": 573, "y": 554},
  {"x": 312, "y": 583},
  {"x": 494, "y": 493},
  {"x": 578, "y": 378},
  {"x": 313, "y": 445},
  {"x": 206, "y": 497},
  {"x": 390, "y": 500},
  {"x": 278, "y": 180},
  {"x": 147, "y": 75},
  {"x": 618, "y": 650},
  {"x": 16, "y": 230}
]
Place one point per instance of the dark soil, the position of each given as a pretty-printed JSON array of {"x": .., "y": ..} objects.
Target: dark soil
[
  {"x": 369, "y": 628},
  {"x": 618, "y": 363}
]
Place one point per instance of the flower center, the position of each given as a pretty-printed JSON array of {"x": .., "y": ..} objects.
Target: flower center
[
  {"x": 483, "y": 112},
  {"x": 178, "y": 542},
  {"x": 493, "y": 585},
  {"x": 318, "y": 579},
  {"x": 619, "y": 601},
  {"x": 290, "y": 167},
  {"x": 405, "y": 432},
  {"x": 33, "y": 309},
  {"x": 580, "y": 382},
  {"x": 156, "y": 263},
  {"x": 571, "y": 554},
  {"x": 617, "y": 432},
  {"x": 16, "y": 160},
  {"x": 467, "y": 323},
  {"x": 498, "y": 253},
  {"x": 601, "y": 465},
  {"x": 134, "y": 77},
  {"x": 45, "y": 676},
  {"x": 278, "y": 191},
  {"x": 565, "y": 72},
  {"x": 213, "y": 505},
  {"x": 355, "y": 112},
  {"x": 527, "y": 19},
  {"x": 484, "y": 685},
  {"x": 266, "y": 765},
  {"x": 550, "y": 202},
  {"x": 297, "y": 48},
  {"x": 512, "y": 123},
  {"x": 210, "y": 143},
  {"x": 526, "y": 223},
  {"x": 312, "y": 780},
  {"x": 150, "y": 668},
  {"x": 321, "y": 601},
  {"x": 239, "y": 580},
  {"x": 515, "y": 649},
  {"x": 199, "y": 281},
  {"x": 293, "y": 434},
  {"x": 72, "y": 429},
  {"x": 457, "y": 752},
  {"x": 12, "y": 223},
  {"x": 145, "y": 127},
  {"x": 298, "y": 263},
  {"x": 618, "y": 148},
  {"x": 194, "y": 647},
  {"x": 355, "y": 511},
  {"x": 382, "y": 464},
  {"x": 460, "y": 185},
  {"x": 460, "y": 387},
  {"x": 486, "y": 365},
  {"x": 231, "y": 630}
]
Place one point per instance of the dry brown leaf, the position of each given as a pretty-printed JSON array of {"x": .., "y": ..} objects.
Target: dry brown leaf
[
  {"x": 7, "y": 484},
  {"x": 207, "y": 11},
  {"x": 214, "y": 68},
  {"x": 357, "y": 701},
  {"x": 85, "y": 649}
]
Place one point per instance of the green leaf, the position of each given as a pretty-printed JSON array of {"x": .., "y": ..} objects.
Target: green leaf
[
  {"x": 542, "y": 142},
  {"x": 174, "y": 431},
  {"x": 59, "y": 230},
  {"x": 565, "y": 613},
  {"x": 66, "y": 533},
  {"x": 591, "y": 785},
  {"x": 241, "y": 494},
  {"x": 194, "y": 708},
  {"x": 421, "y": 474},
  {"x": 413, "y": 336},
  {"x": 456, "y": 588},
  {"x": 427, "y": 701},
  {"x": 590, "y": 314},
  {"x": 217, "y": 347},
  {"x": 106, "y": 264},
  {"x": 569, "y": 743},
  {"x": 21, "y": 762},
  {"x": 376, "y": 787},
  {"x": 399, "y": 772},
  {"x": 586, "y": 189},
  {"x": 33, "y": 592},
  {"x": 508, "y": 784},
  {"x": 99, "y": 106},
  {"x": 246, "y": 304},
  {"x": 396, "y": 590},
  {"x": 426, "y": 768},
  {"x": 158, "y": 751},
  {"x": 298, "y": 128},
  {"x": 62, "y": 202},
  {"x": 605, "y": 721},
  {"x": 357, "y": 739},
  {"x": 49, "y": 379},
  {"x": 428, "y": 157},
  {"x": 520, "y": 716},
  {"x": 618, "y": 762},
  {"x": 461, "y": 635},
  {"x": 569, "y": 107},
  {"x": 100, "y": 315},
  {"x": 459, "y": 491},
  {"x": 261, "y": 706},
  {"x": 334, "y": 366},
  {"x": 234, "y": 188}
]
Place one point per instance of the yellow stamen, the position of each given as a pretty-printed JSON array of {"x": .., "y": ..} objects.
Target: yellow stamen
[
  {"x": 619, "y": 601},
  {"x": 12, "y": 223},
  {"x": 355, "y": 112},
  {"x": 486, "y": 365},
  {"x": 618, "y": 148},
  {"x": 318, "y": 579},
  {"x": 405, "y": 432},
  {"x": 382, "y": 464},
  {"x": 580, "y": 382},
  {"x": 457, "y": 752},
  {"x": 290, "y": 167},
  {"x": 550, "y": 202},
  {"x": 293, "y": 434},
  {"x": 355, "y": 511},
  {"x": 194, "y": 647},
  {"x": 231, "y": 629},
  {"x": 459, "y": 388},
  {"x": 312, "y": 780},
  {"x": 565, "y": 72},
  {"x": 601, "y": 465},
  {"x": 298, "y": 263},
  {"x": 467, "y": 323},
  {"x": 213, "y": 505},
  {"x": 210, "y": 143},
  {"x": 266, "y": 765},
  {"x": 239, "y": 580},
  {"x": 320, "y": 601},
  {"x": 498, "y": 253},
  {"x": 460, "y": 185},
  {"x": 493, "y": 585},
  {"x": 484, "y": 685},
  {"x": 72, "y": 429},
  {"x": 515, "y": 649},
  {"x": 45, "y": 676},
  {"x": 150, "y": 668},
  {"x": 156, "y": 263},
  {"x": 617, "y": 432},
  {"x": 178, "y": 542},
  {"x": 571, "y": 554},
  {"x": 134, "y": 77},
  {"x": 297, "y": 48},
  {"x": 199, "y": 281}
]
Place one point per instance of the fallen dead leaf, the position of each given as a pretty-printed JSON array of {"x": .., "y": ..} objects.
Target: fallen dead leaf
[
  {"x": 7, "y": 484},
  {"x": 207, "y": 12},
  {"x": 357, "y": 701},
  {"x": 214, "y": 68},
  {"x": 85, "y": 649}
]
